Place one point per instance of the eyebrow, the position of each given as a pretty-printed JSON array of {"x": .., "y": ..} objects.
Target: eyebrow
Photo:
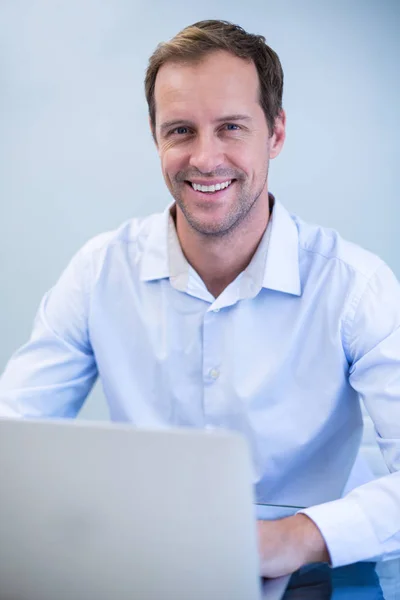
[{"x": 180, "y": 122}]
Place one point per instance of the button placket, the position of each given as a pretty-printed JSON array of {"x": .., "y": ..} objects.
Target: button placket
[{"x": 212, "y": 356}]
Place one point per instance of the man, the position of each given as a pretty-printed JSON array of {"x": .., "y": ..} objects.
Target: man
[{"x": 226, "y": 311}]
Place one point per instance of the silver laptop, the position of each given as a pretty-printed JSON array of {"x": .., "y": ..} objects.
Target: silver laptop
[{"x": 101, "y": 511}]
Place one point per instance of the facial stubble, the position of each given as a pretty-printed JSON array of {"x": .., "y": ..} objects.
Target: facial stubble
[{"x": 236, "y": 217}]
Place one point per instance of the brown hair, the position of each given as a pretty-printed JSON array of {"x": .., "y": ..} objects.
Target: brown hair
[{"x": 196, "y": 41}]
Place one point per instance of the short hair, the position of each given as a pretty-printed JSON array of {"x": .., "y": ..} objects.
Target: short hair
[{"x": 196, "y": 41}]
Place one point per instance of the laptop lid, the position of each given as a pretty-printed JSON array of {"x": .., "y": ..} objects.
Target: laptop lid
[{"x": 108, "y": 511}]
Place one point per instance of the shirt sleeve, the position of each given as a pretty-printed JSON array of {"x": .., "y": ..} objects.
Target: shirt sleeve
[
  {"x": 52, "y": 374},
  {"x": 365, "y": 524}
]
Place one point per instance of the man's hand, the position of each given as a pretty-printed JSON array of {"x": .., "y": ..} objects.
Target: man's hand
[{"x": 288, "y": 544}]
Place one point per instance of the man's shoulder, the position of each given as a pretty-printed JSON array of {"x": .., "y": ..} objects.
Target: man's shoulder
[
  {"x": 122, "y": 247},
  {"x": 328, "y": 245},
  {"x": 132, "y": 232}
]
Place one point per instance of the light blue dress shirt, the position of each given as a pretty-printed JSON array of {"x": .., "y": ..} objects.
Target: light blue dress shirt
[{"x": 283, "y": 356}]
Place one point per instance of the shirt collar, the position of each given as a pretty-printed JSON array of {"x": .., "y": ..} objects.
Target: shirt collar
[
  {"x": 282, "y": 271},
  {"x": 274, "y": 266},
  {"x": 155, "y": 263},
  {"x": 162, "y": 256}
]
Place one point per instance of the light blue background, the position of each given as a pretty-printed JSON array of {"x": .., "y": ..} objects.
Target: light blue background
[{"x": 76, "y": 154}]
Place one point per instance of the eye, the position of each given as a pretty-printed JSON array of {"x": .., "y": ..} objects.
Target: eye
[
  {"x": 232, "y": 126},
  {"x": 180, "y": 130}
]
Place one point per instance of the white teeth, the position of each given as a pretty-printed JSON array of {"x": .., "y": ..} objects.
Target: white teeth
[{"x": 211, "y": 188}]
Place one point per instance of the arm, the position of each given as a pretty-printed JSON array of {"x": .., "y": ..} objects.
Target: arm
[
  {"x": 365, "y": 524},
  {"x": 51, "y": 375}
]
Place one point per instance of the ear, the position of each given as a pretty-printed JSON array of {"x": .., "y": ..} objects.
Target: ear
[{"x": 278, "y": 137}]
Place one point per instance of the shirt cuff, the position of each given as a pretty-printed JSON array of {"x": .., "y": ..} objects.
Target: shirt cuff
[{"x": 347, "y": 531}]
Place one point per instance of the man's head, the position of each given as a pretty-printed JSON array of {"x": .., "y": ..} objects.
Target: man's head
[{"x": 215, "y": 106}]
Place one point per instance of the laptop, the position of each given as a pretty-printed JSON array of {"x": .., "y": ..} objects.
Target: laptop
[{"x": 99, "y": 511}]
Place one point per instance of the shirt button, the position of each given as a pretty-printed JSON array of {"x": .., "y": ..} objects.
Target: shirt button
[
  {"x": 214, "y": 373},
  {"x": 216, "y": 309}
]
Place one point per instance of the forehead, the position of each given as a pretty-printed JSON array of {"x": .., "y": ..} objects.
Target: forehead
[{"x": 218, "y": 83}]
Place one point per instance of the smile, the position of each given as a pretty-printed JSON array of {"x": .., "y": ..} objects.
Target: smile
[{"x": 210, "y": 189}]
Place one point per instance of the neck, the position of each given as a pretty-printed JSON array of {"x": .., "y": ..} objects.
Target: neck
[{"x": 220, "y": 259}]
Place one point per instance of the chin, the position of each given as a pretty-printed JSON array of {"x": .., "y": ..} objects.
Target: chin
[{"x": 214, "y": 228}]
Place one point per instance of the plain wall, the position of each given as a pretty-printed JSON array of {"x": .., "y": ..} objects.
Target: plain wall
[{"x": 76, "y": 154}]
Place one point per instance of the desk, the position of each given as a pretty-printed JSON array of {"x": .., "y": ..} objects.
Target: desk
[{"x": 361, "y": 581}]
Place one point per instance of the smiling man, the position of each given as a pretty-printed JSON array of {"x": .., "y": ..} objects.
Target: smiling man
[{"x": 227, "y": 311}]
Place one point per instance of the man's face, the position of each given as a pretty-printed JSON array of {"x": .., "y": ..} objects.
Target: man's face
[{"x": 212, "y": 131}]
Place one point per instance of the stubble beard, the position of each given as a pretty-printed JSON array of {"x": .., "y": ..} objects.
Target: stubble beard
[{"x": 239, "y": 213}]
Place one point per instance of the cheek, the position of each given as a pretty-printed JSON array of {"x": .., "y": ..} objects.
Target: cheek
[
  {"x": 172, "y": 161},
  {"x": 261, "y": 158},
  {"x": 244, "y": 159},
  {"x": 248, "y": 155}
]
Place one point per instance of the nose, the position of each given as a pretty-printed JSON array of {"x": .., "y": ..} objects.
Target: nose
[{"x": 206, "y": 153}]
